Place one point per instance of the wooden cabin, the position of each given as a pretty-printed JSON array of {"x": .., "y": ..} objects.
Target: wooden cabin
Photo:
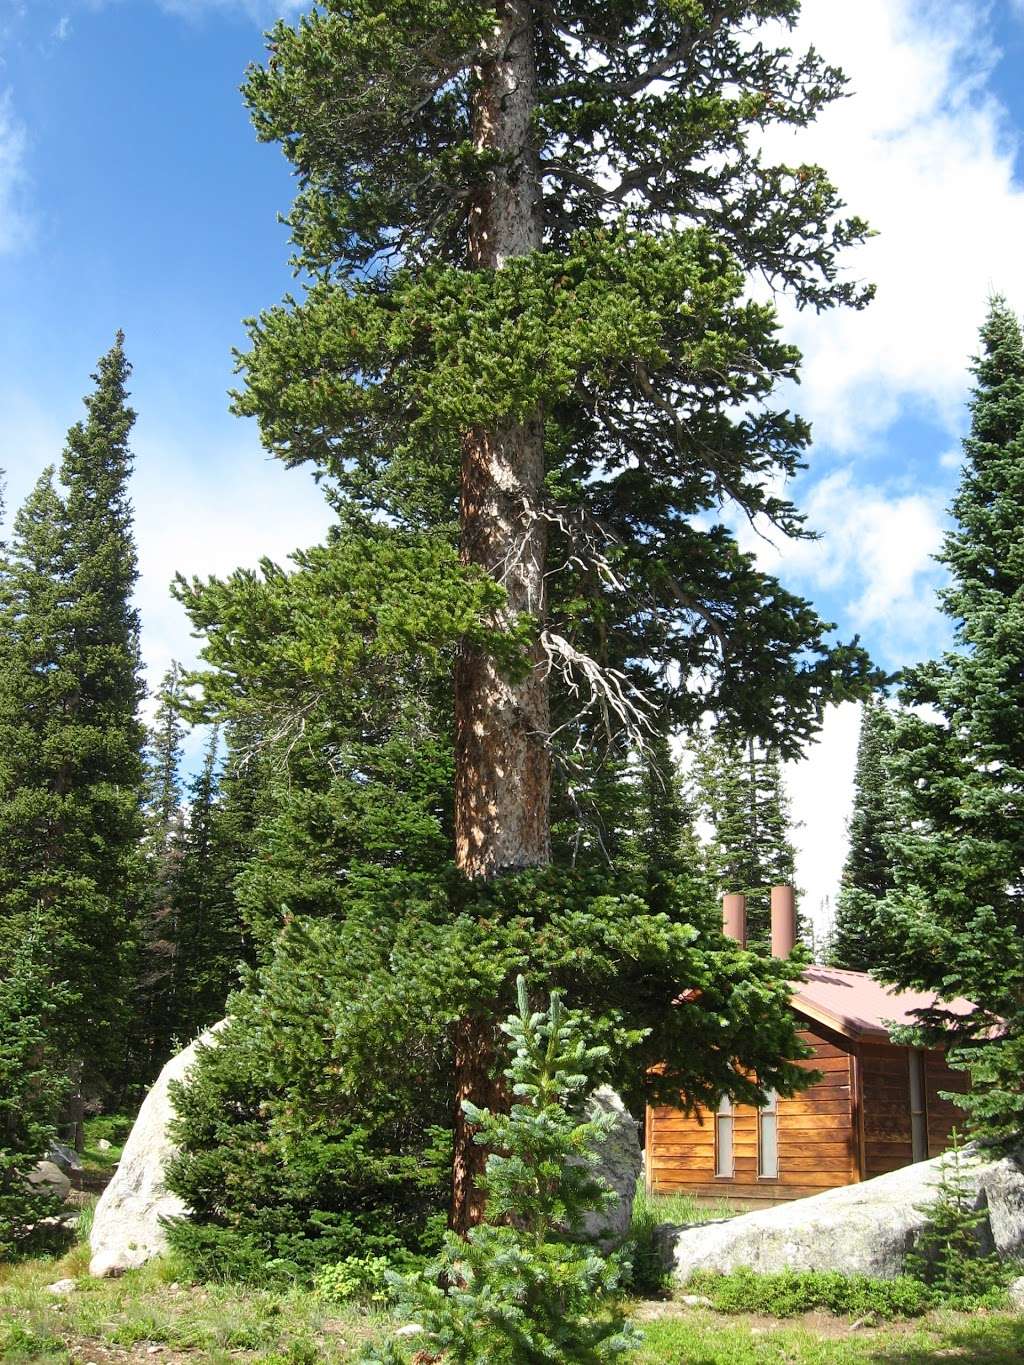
[{"x": 875, "y": 1108}]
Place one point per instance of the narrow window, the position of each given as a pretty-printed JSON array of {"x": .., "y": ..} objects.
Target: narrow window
[
  {"x": 918, "y": 1110},
  {"x": 723, "y": 1138},
  {"x": 768, "y": 1137}
]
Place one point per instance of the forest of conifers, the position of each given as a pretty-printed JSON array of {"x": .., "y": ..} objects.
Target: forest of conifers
[{"x": 524, "y": 711}]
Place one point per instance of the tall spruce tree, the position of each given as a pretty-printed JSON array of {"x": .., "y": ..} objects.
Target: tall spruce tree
[
  {"x": 744, "y": 801},
  {"x": 676, "y": 863},
  {"x": 954, "y": 922},
  {"x": 162, "y": 845},
  {"x": 33, "y": 1082},
  {"x": 193, "y": 937},
  {"x": 510, "y": 360},
  {"x": 71, "y": 773},
  {"x": 209, "y": 942},
  {"x": 867, "y": 873}
]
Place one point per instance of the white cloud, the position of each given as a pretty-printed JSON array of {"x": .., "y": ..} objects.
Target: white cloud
[
  {"x": 820, "y": 789},
  {"x": 209, "y": 516},
  {"x": 875, "y": 553},
  {"x": 262, "y": 11},
  {"x": 63, "y": 30},
  {"x": 925, "y": 152},
  {"x": 14, "y": 225},
  {"x": 197, "y": 512}
]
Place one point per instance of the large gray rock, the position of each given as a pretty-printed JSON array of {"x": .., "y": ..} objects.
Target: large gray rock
[
  {"x": 864, "y": 1229},
  {"x": 47, "y": 1175},
  {"x": 619, "y": 1160},
  {"x": 126, "y": 1230},
  {"x": 65, "y": 1157}
]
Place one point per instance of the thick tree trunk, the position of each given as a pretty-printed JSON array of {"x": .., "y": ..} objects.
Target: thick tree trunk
[{"x": 502, "y": 768}]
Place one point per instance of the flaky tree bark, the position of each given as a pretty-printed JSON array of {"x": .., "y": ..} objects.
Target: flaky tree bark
[{"x": 502, "y": 769}]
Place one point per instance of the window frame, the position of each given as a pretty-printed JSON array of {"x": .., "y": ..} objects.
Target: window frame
[
  {"x": 768, "y": 1112},
  {"x": 725, "y": 1120},
  {"x": 917, "y": 1103}
]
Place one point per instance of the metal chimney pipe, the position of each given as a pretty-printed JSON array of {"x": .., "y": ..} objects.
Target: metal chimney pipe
[
  {"x": 734, "y": 917},
  {"x": 783, "y": 921}
]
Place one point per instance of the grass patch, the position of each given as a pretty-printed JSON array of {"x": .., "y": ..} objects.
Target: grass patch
[
  {"x": 112, "y": 1128},
  {"x": 683, "y": 1209},
  {"x": 236, "y": 1324},
  {"x": 154, "y": 1306},
  {"x": 650, "y": 1275},
  {"x": 705, "y": 1338}
]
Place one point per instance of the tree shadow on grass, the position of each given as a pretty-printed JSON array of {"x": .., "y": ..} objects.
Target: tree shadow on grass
[{"x": 1000, "y": 1342}]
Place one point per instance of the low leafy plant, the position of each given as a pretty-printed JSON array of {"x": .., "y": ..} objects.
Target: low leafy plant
[
  {"x": 359, "y": 1278},
  {"x": 785, "y": 1293},
  {"x": 523, "y": 1287}
]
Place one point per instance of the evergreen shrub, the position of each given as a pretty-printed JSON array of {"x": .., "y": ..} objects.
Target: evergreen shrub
[
  {"x": 32, "y": 1086},
  {"x": 950, "y": 1256},
  {"x": 525, "y": 1285},
  {"x": 303, "y": 1141}
]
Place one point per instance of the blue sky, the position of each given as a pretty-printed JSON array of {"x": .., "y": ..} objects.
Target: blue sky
[{"x": 133, "y": 194}]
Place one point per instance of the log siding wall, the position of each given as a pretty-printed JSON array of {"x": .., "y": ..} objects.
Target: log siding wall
[
  {"x": 888, "y": 1137},
  {"x": 853, "y": 1123},
  {"x": 816, "y": 1136}
]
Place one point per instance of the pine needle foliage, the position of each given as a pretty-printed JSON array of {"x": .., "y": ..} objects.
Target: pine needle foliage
[
  {"x": 651, "y": 367},
  {"x": 523, "y": 1287},
  {"x": 950, "y": 1254},
  {"x": 954, "y": 922},
  {"x": 32, "y": 1086},
  {"x": 71, "y": 773},
  {"x": 867, "y": 873}
]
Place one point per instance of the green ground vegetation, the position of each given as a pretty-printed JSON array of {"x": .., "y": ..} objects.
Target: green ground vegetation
[
  {"x": 214, "y": 1324},
  {"x": 112, "y": 1128}
]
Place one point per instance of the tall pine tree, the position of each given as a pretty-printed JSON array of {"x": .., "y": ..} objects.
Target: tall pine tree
[
  {"x": 71, "y": 739},
  {"x": 954, "y": 923},
  {"x": 209, "y": 942},
  {"x": 162, "y": 845},
  {"x": 867, "y": 873},
  {"x": 744, "y": 802},
  {"x": 546, "y": 393}
]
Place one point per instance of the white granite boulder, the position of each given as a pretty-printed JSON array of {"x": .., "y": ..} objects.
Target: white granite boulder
[
  {"x": 862, "y": 1229},
  {"x": 126, "y": 1230},
  {"x": 619, "y": 1161}
]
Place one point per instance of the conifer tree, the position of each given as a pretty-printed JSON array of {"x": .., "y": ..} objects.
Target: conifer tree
[
  {"x": 954, "y": 923},
  {"x": 162, "y": 846},
  {"x": 507, "y": 358},
  {"x": 208, "y": 945},
  {"x": 524, "y": 1286},
  {"x": 676, "y": 863},
  {"x": 745, "y": 803},
  {"x": 71, "y": 774},
  {"x": 867, "y": 873},
  {"x": 33, "y": 1081}
]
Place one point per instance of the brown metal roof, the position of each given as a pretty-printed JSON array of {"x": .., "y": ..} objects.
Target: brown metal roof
[{"x": 856, "y": 1005}]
